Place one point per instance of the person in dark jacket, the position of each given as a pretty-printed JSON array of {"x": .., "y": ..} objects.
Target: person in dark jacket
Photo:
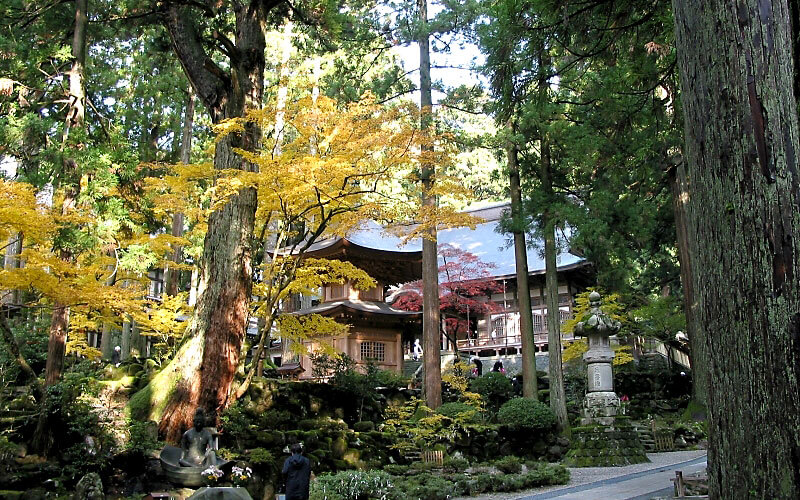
[
  {"x": 297, "y": 471},
  {"x": 477, "y": 370}
]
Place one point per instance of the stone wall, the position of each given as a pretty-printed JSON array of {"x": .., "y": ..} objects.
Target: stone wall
[{"x": 605, "y": 446}]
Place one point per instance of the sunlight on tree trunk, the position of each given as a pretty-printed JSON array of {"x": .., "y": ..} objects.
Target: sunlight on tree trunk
[
  {"x": 558, "y": 400},
  {"x": 205, "y": 365}
]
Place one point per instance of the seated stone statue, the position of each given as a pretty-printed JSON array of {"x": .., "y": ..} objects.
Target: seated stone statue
[{"x": 198, "y": 444}]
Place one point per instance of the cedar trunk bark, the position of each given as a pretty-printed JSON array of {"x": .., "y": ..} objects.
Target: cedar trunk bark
[
  {"x": 431, "y": 338},
  {"x": 530, "y": 385},
  {"x": 742, "y": 142},
  {"x": 59, "y": 322},
  {"x": 202, "y": 372},
  {"x": 43, "y": 438},
  {"x": 558, "y": 400},
  {"x": 680, "y": 196}
]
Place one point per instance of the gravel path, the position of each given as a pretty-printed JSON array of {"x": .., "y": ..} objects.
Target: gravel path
[{"x": 585, "y": 475}]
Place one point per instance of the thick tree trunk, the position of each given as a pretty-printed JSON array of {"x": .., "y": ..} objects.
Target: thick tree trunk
[
  {"x": 202, "y": 372},
  {"x": 742, "y": 144},
  {"x": 558, "y": 399},
  {"x": 59, "y": 322},
  {"x": 680, "y": 194},
  {"x": 530, "y": 385},
  {"x": 431, "y": 336},
  {"x": 56, "y": 345}
]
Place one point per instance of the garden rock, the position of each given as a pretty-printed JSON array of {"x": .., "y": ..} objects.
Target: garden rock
[
  {"x": 90, "y": 487},
  {"x": 221, "y": 494},
  {"x": 555, "y": 453}
]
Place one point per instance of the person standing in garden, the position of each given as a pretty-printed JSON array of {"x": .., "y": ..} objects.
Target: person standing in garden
[{"x": 297, "y": 472}]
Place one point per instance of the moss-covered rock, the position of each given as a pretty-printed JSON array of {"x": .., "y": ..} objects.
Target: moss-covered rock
[
  {"x": 339, "y": 447},
  {"x": 364, "y": 426},
  {"x": 598, "y": 446},
  {"x": 353, "y": 458}
]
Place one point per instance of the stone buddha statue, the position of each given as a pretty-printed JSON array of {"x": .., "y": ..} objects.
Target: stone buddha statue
[{"x": 198, "y": 444}]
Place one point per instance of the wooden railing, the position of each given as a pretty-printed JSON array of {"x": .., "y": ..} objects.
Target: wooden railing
[{"x": 500, "y": 342}]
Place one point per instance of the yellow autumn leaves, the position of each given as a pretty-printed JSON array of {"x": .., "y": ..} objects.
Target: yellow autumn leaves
[{"x": 328, "y": 169}]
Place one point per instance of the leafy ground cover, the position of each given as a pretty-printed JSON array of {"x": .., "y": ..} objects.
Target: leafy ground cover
[{"x": 407, "y": 483}]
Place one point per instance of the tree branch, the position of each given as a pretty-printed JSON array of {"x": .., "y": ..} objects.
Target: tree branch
[{"x": 209, "y": 81}]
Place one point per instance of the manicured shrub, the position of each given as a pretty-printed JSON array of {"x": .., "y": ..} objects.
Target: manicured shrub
[
  {"x": 423, "y": 466},
  {"x": 524, "y": 413},
  {"x": 396, "y": 469},
  {"x": 543, "y": 474},
  {"x": 509, "y": 465},
  {"x": 511, "y": 482},
  {"x": 482, "y": 483},
  {"x": 458, "y": 410},
  {"x": 352, "y": 485},
  {"x": 495, "y": 388},
  {"x": 455, "y": 464},
  {"x": 388, "y": 378},
  {"x": 426, "y": 486},
  {"x": 261, "y": 456}
]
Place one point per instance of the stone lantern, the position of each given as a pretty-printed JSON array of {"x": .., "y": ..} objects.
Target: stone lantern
[
  {"x": 601, "y": 403},
  {"x": 604, "y": 438}
]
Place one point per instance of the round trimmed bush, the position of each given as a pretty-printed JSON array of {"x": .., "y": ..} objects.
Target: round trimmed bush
[
  {"x": 509, "y": 465},
  {"x": 527, "y": 414},
  {"x": 495, "y": 388}
]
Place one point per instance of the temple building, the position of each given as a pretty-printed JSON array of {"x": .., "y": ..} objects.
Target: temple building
[
  {"x": 383, "y": 334},
  {"x": 378, "y": 330}
]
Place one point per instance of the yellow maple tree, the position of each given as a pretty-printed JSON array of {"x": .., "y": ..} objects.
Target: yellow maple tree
[
  {"x": 92, "y": 283},
  {"x": 328, "y": 169},
  {"x": 610, "y": 306}
]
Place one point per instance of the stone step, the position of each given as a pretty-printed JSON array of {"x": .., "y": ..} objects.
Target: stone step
[
  {"x": 646, "y": 437},
  {"x": 410, "y": 366}
]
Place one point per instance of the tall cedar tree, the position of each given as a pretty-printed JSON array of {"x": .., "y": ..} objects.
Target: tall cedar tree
[
  {"x": 431, "y": 336},
  {"x": 59, "y": 320},
  {"x": 742, "y": 137}
]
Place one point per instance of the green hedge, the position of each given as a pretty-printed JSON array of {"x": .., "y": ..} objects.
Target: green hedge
[
  {"x": 495, "y": 388},
  {"x": 524, "y": 413}
]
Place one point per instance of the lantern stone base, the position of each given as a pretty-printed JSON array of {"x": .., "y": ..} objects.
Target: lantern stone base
[
  {"x": 600, "y": 408},
  {"x": 605, "y": 446}
]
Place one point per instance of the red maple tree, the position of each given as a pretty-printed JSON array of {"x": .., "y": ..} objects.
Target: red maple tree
[{"x": 466, "y": 285}]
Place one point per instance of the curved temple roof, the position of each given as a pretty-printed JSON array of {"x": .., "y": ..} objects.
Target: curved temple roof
[
  {"x": 369, "y": 307},
  {"x": 372, "y": 241}
]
